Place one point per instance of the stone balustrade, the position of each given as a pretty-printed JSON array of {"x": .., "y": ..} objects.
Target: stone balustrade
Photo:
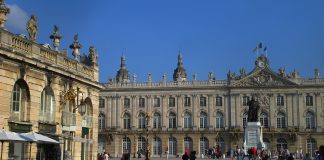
[{"x": 25, "y": 47}]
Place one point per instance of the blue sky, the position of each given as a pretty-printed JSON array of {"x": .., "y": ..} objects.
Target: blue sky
[{"x": 213, "y": 35}]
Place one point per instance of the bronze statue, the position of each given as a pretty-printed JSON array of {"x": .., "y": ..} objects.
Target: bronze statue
[
  {"x": 32, "y": 27},
  {"x": 254, "y": 107}
]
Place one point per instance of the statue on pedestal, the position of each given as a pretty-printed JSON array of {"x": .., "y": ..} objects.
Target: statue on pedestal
[
  {"x": 32, "y": 27},
  {"x": 254, "y": 107}
]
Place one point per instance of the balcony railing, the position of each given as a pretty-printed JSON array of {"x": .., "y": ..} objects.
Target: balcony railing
[
  {"x": 47, "y": 117},
  {"x": 87, "y": 121},
  {"x": 25, "y": 47},
  {"x": 15, "y": 117},
  {"x": 68, "y": 119}
]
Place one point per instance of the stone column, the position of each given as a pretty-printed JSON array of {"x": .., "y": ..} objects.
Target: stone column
[
  {"x": 317, "y": 104},
  {"x": 301, "y": 106},
  {"x": 149, "y": 110},
  {"x": 108, "y": 108},
  {"x": 288, "y": 104},
  {"x": 238, "y": 107},
  {"x": 195, "y": 111},
  {"x": 232, "y": 110},
  {"x": 179, "y": 111},
  {"x": 272, "y": 111},
  {"x": 295, "y": 109},
  {"x": 164, "y": 108},
  {"x": 210, "y": 105},
  {"x": 118, "y": 111},
  {"x": 134, "y": 111},
  {"x": 113, "y": 111},
  {"x": 227, "y": 116}
]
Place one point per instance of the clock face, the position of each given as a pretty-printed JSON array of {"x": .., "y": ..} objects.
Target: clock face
[{"x": 261, "y": 64}]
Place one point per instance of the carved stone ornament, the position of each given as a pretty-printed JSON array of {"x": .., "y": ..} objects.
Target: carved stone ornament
[
  {"x": 263, "y": 99},
  {"x": 263, "y": 78},
  {"x": 67, "y": 95}
]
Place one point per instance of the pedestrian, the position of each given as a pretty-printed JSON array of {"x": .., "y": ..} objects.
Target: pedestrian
[
  {"x": 320, "y": 156},
  {"x": 106, "y": 156},
  {"x": 192, "y": 155}
]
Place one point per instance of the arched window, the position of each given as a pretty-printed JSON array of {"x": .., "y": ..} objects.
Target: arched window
[
  {"x": 203, "y": 120},
  {"x": 245, "y": 117},
  {"x": 142, "y": 145},
  {"x": 187, "y": 120},
  {"x": 126, "y": 145},
  {"x": 157, "y": 146},
  {"x": 281, "y": 144},
  {"x": 188, "y": 143},
  {"x": 310, "y": 120},
  {"x": 281, "y": 120},
  {"x": 219, "y": 120},
  {"x": 220, "y": 142},
  {"x": 20, "y": 96},
  {"x": 264, "y": 120},
  {"x": 47, "y": 109},
  {"x": 127, "y": 121},
  {"x": 310, "y": 145},
  {"x": 173, "y": 146},
  {"x": 204, "y": 145},
  {"x": 141, "y": 120},
  {"x": 157, "y": 120},
  {"x": 16, "y": 98},
  {"x": 101, "y": 121},
  {"x": 172, "y": 120}
]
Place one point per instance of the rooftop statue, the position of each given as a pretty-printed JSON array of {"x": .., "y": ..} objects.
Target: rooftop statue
[
  {"x": 254, "y": 107},
  {"x": 32, "y": 27}
]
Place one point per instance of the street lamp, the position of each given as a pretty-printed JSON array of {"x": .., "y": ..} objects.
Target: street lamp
[
  {"x": 147, "y": 153},
  {"x": 81, "y": 106}
]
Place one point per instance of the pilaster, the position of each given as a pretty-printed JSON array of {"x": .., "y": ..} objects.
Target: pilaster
[
  {"x": 195, "y": 111},
  {"x": 134, "y": 111},
  {"x": 179, "y": 106}
]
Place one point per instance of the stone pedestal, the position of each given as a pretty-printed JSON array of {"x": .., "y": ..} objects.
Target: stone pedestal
[{"x": 253, "y": 136}]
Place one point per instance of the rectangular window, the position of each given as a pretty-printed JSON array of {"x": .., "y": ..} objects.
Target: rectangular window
[
  {"x": 203, "y": 102},
  {"x": 280, "y": 101},
  {"x": 309, "y": 100},
  {"x": 101, "y": 103},
  {"x": 141, "y": 102},
  {"x": 126, "y": 102},
  {"x": 219, "y": 101},
  {"x": 171, "y": 102},
  {"x": 187, "y": 102},
  {"x": 156, "y": 102},
  {"x": 246, "y": 100}
]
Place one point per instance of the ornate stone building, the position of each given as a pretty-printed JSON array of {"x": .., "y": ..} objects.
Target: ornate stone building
[
  {"x": 43, "y": 90},
  {"x": 198, "y": 114}
]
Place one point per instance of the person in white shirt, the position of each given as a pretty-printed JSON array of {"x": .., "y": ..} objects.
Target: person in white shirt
[{"x": 106, "y": 156}]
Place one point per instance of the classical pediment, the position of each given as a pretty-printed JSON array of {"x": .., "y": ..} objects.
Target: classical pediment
[{"x": 260, "y": 77}]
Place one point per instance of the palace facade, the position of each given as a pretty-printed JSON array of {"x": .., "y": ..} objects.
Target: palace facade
[
  {"x": 198, "y": 114},
  {"x": 42, "y": 90}
]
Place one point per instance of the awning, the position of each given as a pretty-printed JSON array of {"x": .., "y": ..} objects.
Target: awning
[
  {"x": 10, "y": 136},
  {"x": 37, "y": 138}
]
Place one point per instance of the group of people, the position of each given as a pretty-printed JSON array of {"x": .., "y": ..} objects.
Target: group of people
[
  {"x": 103, "y": 156},
  {"x": 214, "y": 152},
  {"x": 189, "y": 155}
]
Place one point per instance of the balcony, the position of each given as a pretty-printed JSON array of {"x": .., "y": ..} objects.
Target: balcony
[
  {"x": 87, "y": 121},
  {"x": 68, "y": 121},
  {"x": 47, "y": 117}
]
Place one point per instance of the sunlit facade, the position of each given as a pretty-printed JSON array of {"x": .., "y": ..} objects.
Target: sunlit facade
[
  {"x": 42, "y": 90},
  {"x": 199, "y": 114}
]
